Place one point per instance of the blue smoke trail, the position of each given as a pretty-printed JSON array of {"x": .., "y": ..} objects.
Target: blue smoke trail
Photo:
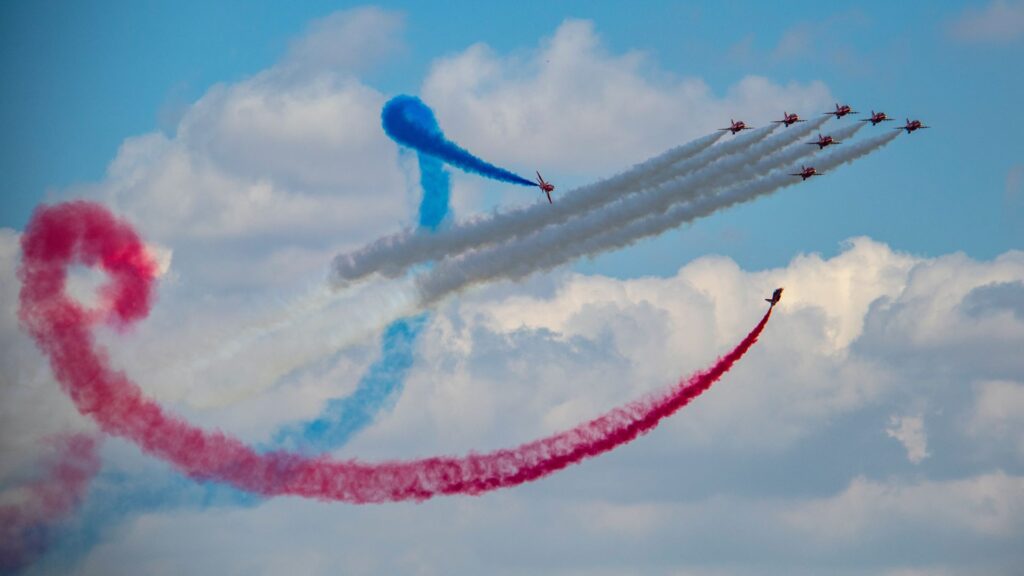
[
  {"x": 116, "y": 496},
  {"x": 436, "y": 185},
  {"x": 408, "y": 121},
  {"x": 343, "y": 418}
]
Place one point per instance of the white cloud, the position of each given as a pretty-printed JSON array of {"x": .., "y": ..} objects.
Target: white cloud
[
  {"x": 989, "y": 504},
  {"x": 288, "y": 165},
  {"x": 572, "y": 107},
  {"x": 909, "y": 431},
  {"x": 998, "y": 414},
  {"x": 348, "y": 40},
  {"x": 999, "y": 21}
]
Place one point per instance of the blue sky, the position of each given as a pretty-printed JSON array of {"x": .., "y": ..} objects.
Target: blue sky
[
  {"x": 89, "y": 76},
  {"x": 876, "y": 428}
]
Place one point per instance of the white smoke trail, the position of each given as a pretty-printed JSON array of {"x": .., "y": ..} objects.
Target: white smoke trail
[
  {"x": 315, "y": 326},
  {"x": 327, "y": 323},
  {"x": 393, "y": 255},
  {"x": 759, "y": 159},
  {"x": 544, "y": 251}
]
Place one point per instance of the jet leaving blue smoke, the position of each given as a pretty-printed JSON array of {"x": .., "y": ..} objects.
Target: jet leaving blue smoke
[{"x": 408, "y": 121}]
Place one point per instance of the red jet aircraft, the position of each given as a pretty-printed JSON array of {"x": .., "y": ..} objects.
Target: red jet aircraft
[
  {"x": 788, "y": 119},
  {"x": 877, "y": 117},
  {"x": 841, "y": 111},
  {"x": 912, "y": 125},
  {"x": 545, "y": 186},
  {"x": 806, "y": 172},
  {"x": 737, "y": 125},
  {"x": 776, "y": 296},
  {"x": 824, "y": 141}
]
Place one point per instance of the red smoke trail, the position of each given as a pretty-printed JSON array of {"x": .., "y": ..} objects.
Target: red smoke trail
[
  {"x": 60, "y": 235},
  {"x": 24, "y": 528}
]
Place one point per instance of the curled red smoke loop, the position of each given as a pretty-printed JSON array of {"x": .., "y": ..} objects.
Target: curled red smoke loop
[{"x": 60, "y": 235}]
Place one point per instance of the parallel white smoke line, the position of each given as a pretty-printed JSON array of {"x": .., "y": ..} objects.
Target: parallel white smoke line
[
  {"x": 779, "y": 159},
  {"x": 340, "y": 320},
  {"x": 252, "y": 363},
  {"x": 393, "y": 255},
  {"x": 544, "y": 251},
  {"x": 760, "y": 158}
]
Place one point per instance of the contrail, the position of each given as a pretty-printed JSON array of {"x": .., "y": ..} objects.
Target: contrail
[
  {"x": 553, "y": 247},
  {"x": 308, "y": 328},
  {"x": 408, "y": 121},
  {"x": 362, "y": 309},
  {"x": 64, "y": 234},
  {"x": 393, "y": 255},
  {"x": 25, "y": 529}
]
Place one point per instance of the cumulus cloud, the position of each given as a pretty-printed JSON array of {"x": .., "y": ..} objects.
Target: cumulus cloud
[
  {"x": 998, "y": 414},
  {"x": 999, "y": 22},
  {"x": 348, "y": 40},
  {"x": 284, "y": 167},
  {"x": 503, "y": 366},
  {"x": 990, "y": 504},
  {"x": 570, "y": 103}
]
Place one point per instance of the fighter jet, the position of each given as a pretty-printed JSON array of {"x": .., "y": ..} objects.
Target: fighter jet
[
  {"x": 736, "y": 126},
  {"x": 776, "y": 296},
  {"x": 788, "y": 119},
  {"x": 912, "y": 125},
  {"x": 841, "y": 111},
  {"x": 877, "y": 117},
  {"x": 824, "y": 141},
  {"x": 546, "y": 187},
  {"x": 806, "y": 172}
]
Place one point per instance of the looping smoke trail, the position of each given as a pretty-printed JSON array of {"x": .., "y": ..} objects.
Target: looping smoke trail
[
  {"x": 408, "y": 121},
  {"x": 56, "y": 237},
  {"x": 25, "y": 529}
]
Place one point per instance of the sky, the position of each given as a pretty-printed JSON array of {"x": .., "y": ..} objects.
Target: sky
[{"x": 876, "y": 428}]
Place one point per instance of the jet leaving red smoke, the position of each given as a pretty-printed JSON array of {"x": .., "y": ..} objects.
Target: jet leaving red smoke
[{"x": 61, "y": 235}]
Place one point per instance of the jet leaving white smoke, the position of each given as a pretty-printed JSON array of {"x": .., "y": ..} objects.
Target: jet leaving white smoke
[
  {"x": 392, "y": 255},
  {"x": 556, "y": 246}
]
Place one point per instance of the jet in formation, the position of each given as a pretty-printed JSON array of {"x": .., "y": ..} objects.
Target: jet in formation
[
  {"x": 912, "y": 125},
  {"x": 737, "y": 125},
  {"x": 776, "y": 296},
  {"x": 545, "y": 187},
  {"x": 824, "y": 141},
  {"x": 788, "y": 119},
  {"x": 877, "y": 117},
  {"x": 806, "y": 172},
  {"x": 841, "y": 110}
]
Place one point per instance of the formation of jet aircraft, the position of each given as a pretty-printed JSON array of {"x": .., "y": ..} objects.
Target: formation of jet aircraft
[{"x": 788, "y": 119}]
